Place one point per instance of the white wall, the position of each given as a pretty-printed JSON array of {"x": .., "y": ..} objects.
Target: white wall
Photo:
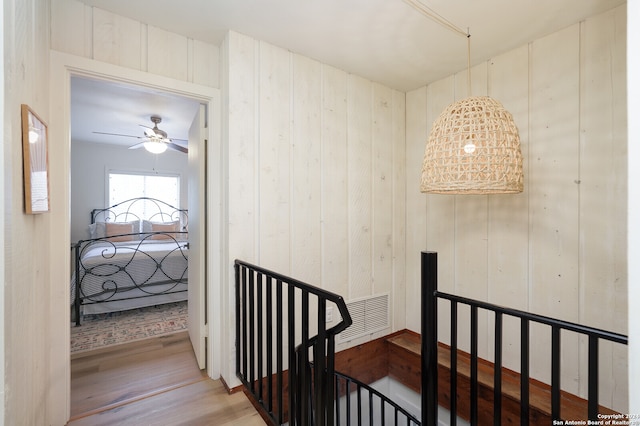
[
  {"x": 94, "y": 33},
  {"x": 559, "y": 248},
  {"x": 26, "y": 284},
  {"x": 90, "y": 164},
  {"x": 316, "y": 175}
]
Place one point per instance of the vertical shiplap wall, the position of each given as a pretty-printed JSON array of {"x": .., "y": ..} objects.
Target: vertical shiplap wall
[
  {"x": 316, "y": 172},
  {"x": 94, "y": 33},
  {"x": 31, "y": 382},
  {"x": 559, "y": 248}
]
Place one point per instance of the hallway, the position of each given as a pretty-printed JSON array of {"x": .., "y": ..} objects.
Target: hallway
[{"x": 151, "y": 382}]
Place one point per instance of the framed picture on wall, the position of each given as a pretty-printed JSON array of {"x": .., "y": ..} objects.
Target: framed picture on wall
[{"x": 35, "y": 152}]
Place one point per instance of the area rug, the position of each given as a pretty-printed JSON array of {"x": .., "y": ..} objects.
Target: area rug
[{"x": 101, "y": 330}]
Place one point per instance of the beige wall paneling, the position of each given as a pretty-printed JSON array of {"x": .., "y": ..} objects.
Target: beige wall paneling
[
  {"x": 603, "y": 275},
  {"x": 399, "y": 212},
  {"x": 508, "y": 228},
  {"x": 203, "y": 63},
  {"x": 359, "y": 186},
  {"x": 242, "y": 186},
  {"x": 95, "y": 33},
  {"x": 274, "y": 164},
  {"x": 306, "y": 169},
  {"x": 30, "y": 366},
  {"x": 306, "y": 238},
  {"x": 441, "y": 235},
  {"x": 242, "y": 149},
  {"x": 554, "y": 200},
  {"x": 76, "y": 39},
  {"x": 335, "y": 232},
  {"x": 167, "y": 53},
  {"x": 416, "y": 202},
  {"x": 117, "y": 40},
  {"x": 274, "y": 127},
  {"x": 382, "y": 184},
  {"x": 470, "y": 221}
]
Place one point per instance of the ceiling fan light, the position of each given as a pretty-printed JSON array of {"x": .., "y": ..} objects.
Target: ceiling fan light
[{"x": 155, "y": 147}]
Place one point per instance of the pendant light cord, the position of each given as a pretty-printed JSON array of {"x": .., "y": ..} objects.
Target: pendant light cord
[
  {"x": 468, "y": 63},
  {"x": 431, "y": 14},
  {"x": 436, "y": 17}
]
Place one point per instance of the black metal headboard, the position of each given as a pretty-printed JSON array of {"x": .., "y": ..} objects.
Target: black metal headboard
[{"x": 155, "y": 211}]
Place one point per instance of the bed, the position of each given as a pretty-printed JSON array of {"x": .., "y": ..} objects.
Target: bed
[{"x": 136, "y": 256}]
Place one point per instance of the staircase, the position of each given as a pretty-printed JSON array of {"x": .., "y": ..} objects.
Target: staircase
[{"x": 285, "y": 355}]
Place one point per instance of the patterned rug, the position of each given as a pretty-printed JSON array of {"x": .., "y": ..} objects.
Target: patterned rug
[{"x": 100, "y": 330}]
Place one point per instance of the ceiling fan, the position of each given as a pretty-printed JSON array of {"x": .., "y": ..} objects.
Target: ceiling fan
[{"x": 154, "y": 139}]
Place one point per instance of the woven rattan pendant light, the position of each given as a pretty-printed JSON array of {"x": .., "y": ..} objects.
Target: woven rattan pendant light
[
  {"x": 474, "y": 145},
  {"x": 473, "y": 148}
]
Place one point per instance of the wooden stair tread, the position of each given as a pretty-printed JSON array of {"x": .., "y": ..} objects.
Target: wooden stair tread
[{"x": 573, "y": 407}]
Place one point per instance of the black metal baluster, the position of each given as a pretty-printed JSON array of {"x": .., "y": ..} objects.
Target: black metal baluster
[
  {"x": 555, "y": 373},
  {"x": 453, "y": 369},
  {"x": 429, "y": 340},
  {"x": 359, "y": 407},
  {"x": 593, "y": 378},
  {"x": 474, "y": 365},
  {"x": 252, "y": 336},
  {"x": 319, "y": 365},
  {"x": 245, "y": 341},
  {"x": 291, "y": 336},
  {"x": 497, "y": 370},
  {"x": 268, "y": 325},
  {"x": 303, "y": 362},
  {"x": 337, "y": 405},
  {"x": 279, "y": 349},
  {"x": 236, "y": 267},
  {"x": 348, "y": 400},
  {"x": 332, "y": 396},
  {"x": 370, "y": 409},
  {"x": 524, "y": 371},
  {"x": 259, "y": 331}
]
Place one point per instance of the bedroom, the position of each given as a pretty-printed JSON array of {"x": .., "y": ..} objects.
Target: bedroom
[
  {"x": 109, "y": 165},
  {"x": 126, "y": 187},
  {"x": 417, "y": 98}
]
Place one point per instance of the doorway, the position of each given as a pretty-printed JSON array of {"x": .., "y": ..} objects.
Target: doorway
[
  {"x": 110, "y": 165},
  {"x": 63, "y": 68}
]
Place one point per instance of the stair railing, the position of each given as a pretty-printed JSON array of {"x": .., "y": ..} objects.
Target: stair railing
[
  {"x": 429, "y": 348},
  {"x": 274, "y": 318}
]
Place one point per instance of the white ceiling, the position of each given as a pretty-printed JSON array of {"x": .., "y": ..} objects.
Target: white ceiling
[
  {"x": 97, "y": 106},
  {"x": 386, "y": 41}
]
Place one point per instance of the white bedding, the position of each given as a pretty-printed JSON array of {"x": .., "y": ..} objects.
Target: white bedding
[{"x": 141, "y": 271}]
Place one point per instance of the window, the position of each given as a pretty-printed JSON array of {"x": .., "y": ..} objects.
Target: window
[{"x": 125, "y": 186}]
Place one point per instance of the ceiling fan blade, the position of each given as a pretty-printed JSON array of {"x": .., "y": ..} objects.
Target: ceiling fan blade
[
  {"x": 179, "y": 140},
  {"x": 176, "y": 147},
  {"x": 136, "y": 146},
  {"x": 150, "y": 133},
  {"x": 116, "y": 134}
]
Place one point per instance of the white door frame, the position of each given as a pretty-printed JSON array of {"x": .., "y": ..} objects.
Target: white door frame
[{"x": 62, "y": 67}]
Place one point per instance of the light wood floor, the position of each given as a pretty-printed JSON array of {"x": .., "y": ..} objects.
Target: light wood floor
[{"x": 151, "y": 382}]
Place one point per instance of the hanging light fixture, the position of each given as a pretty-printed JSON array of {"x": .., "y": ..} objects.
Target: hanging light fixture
[
  {"x": 474, "y": 145},
  {"x": 155, "y": 146},
  {"x": 473, "y": 148}
]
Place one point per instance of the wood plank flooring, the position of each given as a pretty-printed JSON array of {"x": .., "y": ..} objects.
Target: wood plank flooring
[{"x": 151, "y": 382}]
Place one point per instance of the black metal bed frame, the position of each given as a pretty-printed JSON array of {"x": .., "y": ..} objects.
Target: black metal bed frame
[{"x": 106, "y": 271}]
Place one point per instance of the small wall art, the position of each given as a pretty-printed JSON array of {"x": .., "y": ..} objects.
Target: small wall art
[{"x": 35, "y": 151}]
